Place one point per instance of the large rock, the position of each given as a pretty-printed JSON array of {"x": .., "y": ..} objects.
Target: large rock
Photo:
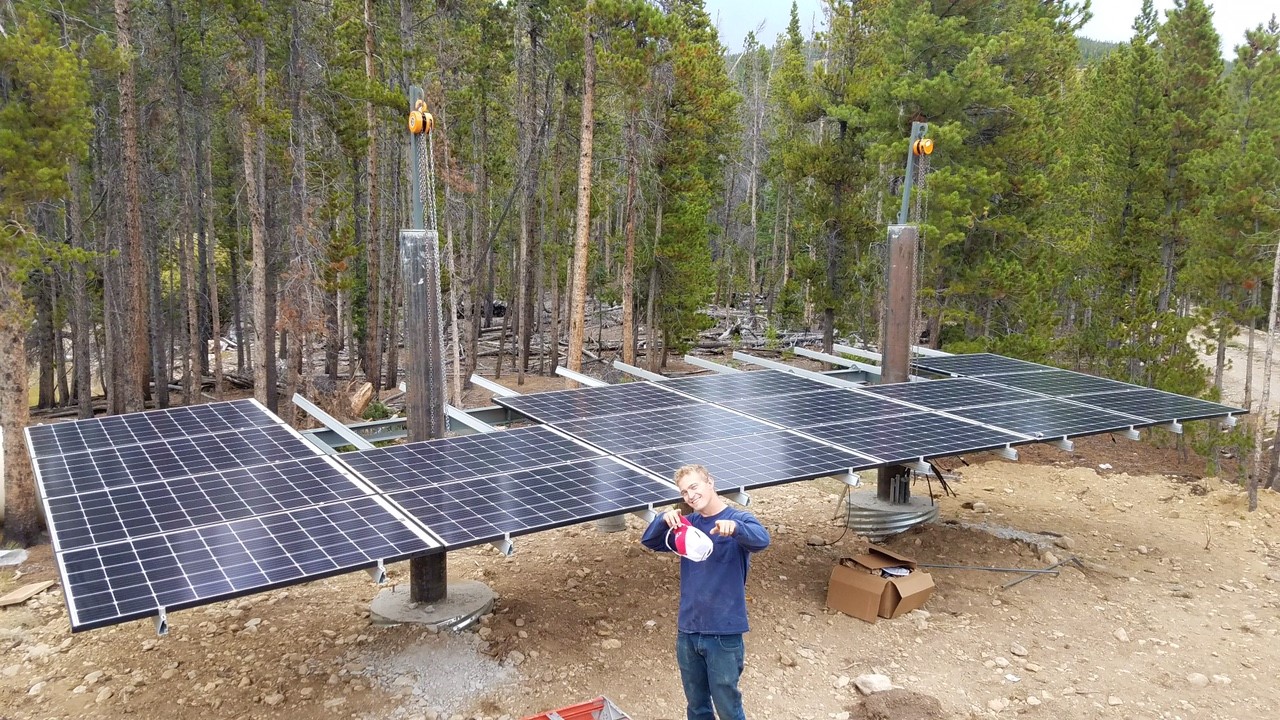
[{"x": 872, "y": 683}]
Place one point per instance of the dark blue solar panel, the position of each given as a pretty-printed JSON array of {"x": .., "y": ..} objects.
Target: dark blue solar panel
[
  {"x": 1061, "y": 383},
  {"x": 976, "y": 364},
  {"x": 108, "y": 584},
  {"x": 1050, "y": 418},
  {"x": 818, "y": 408},
  {"x": 561, "y": 405},
  {"x": 168, "y": 459},
  {"x": 736, "y": 386},
  {"x": 753, "y": 460},
  {"x": 660, "y": 428},
  {"x": 65, "y": 438},
  {"x": 912, "y": 437},
  {"x": 1157, "y": 406},
  {"x": 489, "y": 508},
  {"x": 949, "y": 394},
  {"x": 134, "y": 511},
  {"x": 435, "y": 462}
]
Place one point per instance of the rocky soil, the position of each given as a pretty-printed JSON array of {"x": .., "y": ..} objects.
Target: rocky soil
[{"x": 1172, "y": 612}]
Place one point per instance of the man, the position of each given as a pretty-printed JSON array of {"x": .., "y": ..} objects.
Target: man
[{"x": 713, "y": 592}]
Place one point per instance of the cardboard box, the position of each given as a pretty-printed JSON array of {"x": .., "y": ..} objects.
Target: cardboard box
[{"x": 857, "y": 587}]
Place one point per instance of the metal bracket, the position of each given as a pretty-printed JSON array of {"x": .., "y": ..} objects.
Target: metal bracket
[
  {"x": 378, "y": 573},
  {"x": 921, "y": 467},
  {"x": 1230, "y": 421},
  {"x": 647, "y": 515},
  {"x": 465, "y": 418},
  {"x": 851, "y": 479},
  {"x": 1064, "y": 445},
  {"x": 739, "y": 496},
  {"x": 1006, "y": 452},
  {"x": 1173, "y": 426},
  {"x": 638, "y": 372},
  {"x": 332, "y": 423},
  {"x": 493, "y": 387},
  {"x": 708, "y": 365},
  {"x": 579, "y": 377},
  {"x": 1131, "y": 434},
  {"x": 162, "y": 623},
  {"x": 504, "y": 546}
]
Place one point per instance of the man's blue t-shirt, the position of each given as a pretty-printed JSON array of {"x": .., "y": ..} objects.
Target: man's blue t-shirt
[{"x": 713, "y": 597}]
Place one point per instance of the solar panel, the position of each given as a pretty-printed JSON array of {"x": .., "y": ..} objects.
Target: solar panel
[
  {"x": 135, "y": 511},
  {"x": 948, "y": 394},
  {"x": 561, "y": 405},
  {"x": 489, "y": 508},
  {"x": 736, "y": 386},
  {"x": 65, "y": 438},
  {"x": 817, "y": 408},
  {"x": 1061, "y": 383},
  {"x": 1159, "y": 406},
  {"x": 753, "y": 460},
  {"x": 662, "y": 427},
  {"x": 911, "y": 437},
  {"x": 976, "y": 364},
  {"x": 436, "y": 462},
  {"x": 168, "y": 459},
  {"x": 1050, "y": 418},
  {"x": 112, "y": 583}
]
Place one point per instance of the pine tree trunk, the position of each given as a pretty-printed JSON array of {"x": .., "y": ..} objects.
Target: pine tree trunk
[
  {"x": 297, "y": 308},
  {"x": 22, "y": 515},
  {"x": 629, "y": 255},
  {"x": 215, "y": 312},
  {"x": 582, "y": 226},
  {"x": 134, "y": 336},
  {"x": 191, "y": 377},
  {"x": 373, "y": 235},
  {"x": 81, "y": 352},
  {"x": 1264, "y": 406}
]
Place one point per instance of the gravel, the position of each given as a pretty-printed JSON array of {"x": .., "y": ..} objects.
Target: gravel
[{"x": 444, "y": 672}]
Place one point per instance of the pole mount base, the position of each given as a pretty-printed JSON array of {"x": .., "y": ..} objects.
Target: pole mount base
[{"x": 463, "y": 604}]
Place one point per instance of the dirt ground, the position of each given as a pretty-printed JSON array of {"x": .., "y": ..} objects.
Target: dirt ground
[{"x": 1172, "y": 613}]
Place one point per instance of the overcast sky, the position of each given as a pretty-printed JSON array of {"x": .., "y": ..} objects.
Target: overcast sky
[{"x": 1112, "y": 19}]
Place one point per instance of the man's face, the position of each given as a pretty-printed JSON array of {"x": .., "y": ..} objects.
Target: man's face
[{"x": 697, "y": 491}]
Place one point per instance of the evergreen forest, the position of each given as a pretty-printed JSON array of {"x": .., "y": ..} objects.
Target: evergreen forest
[{"x": 181, "y": 175}]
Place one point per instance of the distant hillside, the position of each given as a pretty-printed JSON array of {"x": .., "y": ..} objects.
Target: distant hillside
[{"x": 1093, "y": 50}]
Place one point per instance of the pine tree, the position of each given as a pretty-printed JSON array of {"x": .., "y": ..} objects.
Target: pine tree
[
  {"x": 699, "y": 120},
  {"x": 44, "y": 112}
]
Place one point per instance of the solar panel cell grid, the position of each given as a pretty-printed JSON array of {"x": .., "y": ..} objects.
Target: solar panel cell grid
[
  {"x": 949, "y": 394},
  {"x": 817, "y": 408},
  {"x": 754, "y": 460},
  {"x": 1049, "y": 418},
  {"x": 660, "y": 428},
  {"x": 736, "y": 386},
  {"x": 168, "y": 459},
  {"x": 550, "y": 407},
  {"x": 1159, "y": 406},
  {"x": 486, "y": 509},
  {"x": 1061, "y": 383},
  {"x": 134, "y": 511},
  {"x": 435, "y": 462},
  {"x": 910, "y": 437},
  {"x": 121, "y": 581},
  {"x": 976, "y": 364},
  {"x": 136, "y": 428}
]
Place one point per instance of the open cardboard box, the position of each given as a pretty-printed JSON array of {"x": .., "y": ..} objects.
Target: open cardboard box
[{"x": 858, "y": 589}]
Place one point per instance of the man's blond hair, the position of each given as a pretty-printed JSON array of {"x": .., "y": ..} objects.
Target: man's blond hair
[{"x": 685, "y": 471}]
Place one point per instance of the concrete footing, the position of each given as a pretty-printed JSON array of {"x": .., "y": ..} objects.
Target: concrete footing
[{"x": 464, "y": 604}]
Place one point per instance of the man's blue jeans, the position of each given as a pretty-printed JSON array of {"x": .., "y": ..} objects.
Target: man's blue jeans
[{"x": 710, "y": 666}]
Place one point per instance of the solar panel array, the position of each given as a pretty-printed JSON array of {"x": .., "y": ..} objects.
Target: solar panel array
[
  {"x": 166, "y": 509},
  {"x": 161, "y": 510}
]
